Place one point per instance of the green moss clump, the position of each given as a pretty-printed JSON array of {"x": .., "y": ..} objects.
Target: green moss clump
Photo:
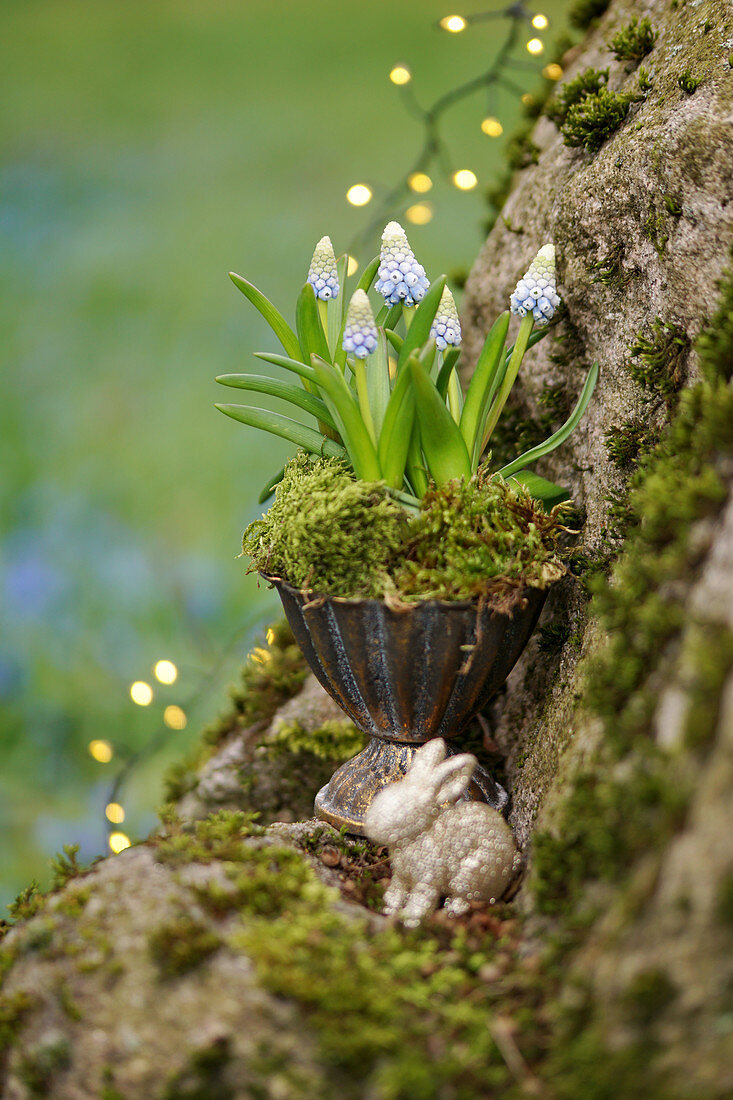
[
  {"x": 591, "y": 122},
  {"x": 326, "y": 529},
  {"x": 645, "y": 83},
  {"x": 711, "y": 661},
  {"x": 13, "y": 1009},
  {"x": 221, "y": 836},
  {"x": 39, "y": 1067},
  {"x": 65, "y": 866},
  {"x": 333, "y": 740},
  {"x": 655, "y": 230},
  {"x": 660, "y": 360},
  {"x": 672, "y": 206},
  {"x": 589, "y": 82},
  {"x": 627, "y": 442},
  {"x": 648, "y": 994},
  {"x": 28, "y": 902},
  {"x": 634, "y": 41},
  {"x": 181, "y": 944},
  {"x": 204, "y": 1075},
  {"x": 264, "y": 883},
  {"x": 584, "y": 13},
  {"x": 687, "y": 82}
]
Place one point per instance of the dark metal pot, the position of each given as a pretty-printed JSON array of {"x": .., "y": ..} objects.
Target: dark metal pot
[{"x": 404, "y": 675}]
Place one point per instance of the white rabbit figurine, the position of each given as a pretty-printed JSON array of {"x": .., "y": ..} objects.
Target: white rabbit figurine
[{"x": 440, "y": 844}]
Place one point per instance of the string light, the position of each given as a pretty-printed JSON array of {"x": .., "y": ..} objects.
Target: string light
[
  {"x": 419, "y": 182},
  {"x": 141, "y": 693},
  {"x": 419, "y": 214},
  {"x": 534, "y": 46},
  {"x": 400, "y": 74},
  {"x": 359, "y": 194},
  {"x": 352, "y": 266},
  {"x": 465, "y": 179},
  {"x": 114, "y": 813},
  {"x": 260, "y": 656},
  {"x": 165, "y": 672},
  {"x": 492, "y": 126},
  {"x": 102, "y": 751},
  {"x": 453, "y": 23},
  {"x": 118, "y": 842},
  {"x": 552, "y": 71},
  {"x": 540, "y": 22},
  {"x": 175, "y": 717},
  {"x": 528, "y": 99}
]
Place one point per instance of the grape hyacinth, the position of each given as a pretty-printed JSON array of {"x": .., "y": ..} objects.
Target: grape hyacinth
[
  {"x": 446, "y": 328},
  {"x": 322, "y": 274},
  {"x": 400, "y": 277},
  {"x": 360, "y": 332},
  {"x": 536, "y": 293}
]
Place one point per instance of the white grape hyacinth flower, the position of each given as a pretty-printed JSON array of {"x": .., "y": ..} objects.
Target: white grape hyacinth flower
[
  {"x": 322, "y": 273},
  {"x": 360, "y": 331},
  {"x": 446, "y": 328},
  {"x": 536, "y": 292},
  {"x": 400, "y": 277}
]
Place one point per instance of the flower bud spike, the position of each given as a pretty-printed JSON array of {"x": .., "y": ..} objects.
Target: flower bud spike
[
  {"x": 360, "y": 331},
  {"x": 400, "y": 278},
  {"x": 536, "y": 293},
  {"x": 446, "y": 328},
  {"x": 322, "y": 273}
]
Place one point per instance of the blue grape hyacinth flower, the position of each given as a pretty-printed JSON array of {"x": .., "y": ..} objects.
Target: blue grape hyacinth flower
[
  {"x": 360, "y": 331},
  {"x": 322, "y": 273},
  {"x": 446, "y": 328},
  {"x": 536, "y": 292},
  {"x": 400, "y": 277}
]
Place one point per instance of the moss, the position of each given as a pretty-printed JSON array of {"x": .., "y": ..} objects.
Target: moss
[
  {"x": 28, "y": 902},
  {"x": 65, "y": 866},
  {"x": 634, "y": 41},
  {"x": 14, "y": 1007},
  {"x": 264, "y": 883},
  {"x": 660, "y": 360},
  {"x": 687, "y": 82},
  {"x": 655, "y": 230},
  {"x": 715, "y": 345},
  {"x": 648, "y": 994},
  {"x": 39, "y": 1067},
  {"x": 222, "y": 836},
  {"x": 333, "y": 740},
  {"x": 645, "y": 83},
  {"x": 181, "y": 944},
  {"x": 627, "y": 442},
  {"x": 709, "y": 665},
  {"x": 609, "y": 270},
  {"x": 672, "y": 206},
  {"x": 73, "y": 902},
  {"x": 582, "y": 14},
  {"x": 553, "y": 636},
  {"x": 204, "y": 1075},
  {"x": 724, "y": 904},
  {"x": 589, "y": 82},
  {"x": 594, "y": 119}
]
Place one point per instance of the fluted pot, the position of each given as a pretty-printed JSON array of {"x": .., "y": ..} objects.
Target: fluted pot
[{"x": 404, "y": 675}]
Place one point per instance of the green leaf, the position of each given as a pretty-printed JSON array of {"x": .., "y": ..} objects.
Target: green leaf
[
  {"x": 308, "y": 324},
  {"x": 274, "y": 318},
  {"x": 273, "y": 387},
  {"x": 394, "y": 439},
  {"x": 378, "y": 383},
  {"x": 419, "y": 330},
  {"x": 450, "y": 359},
  {"x": 542, "y": 449},
  {"x": 367, "y": 277},
  {"x": 442, "y": 442},
  {"x": 269, "y": 488},
  {"x": 483, "y": 386},
  {"x": 416, "y": 472},
  {"x": 539, "y": 488},
  {"x": 395, "y": 339},
  {"x": 352, "y": 428},
  {"x": 537, "y": 335},
  {"x": 277, "y": 424},
  {"x": 295, "y": 365}
]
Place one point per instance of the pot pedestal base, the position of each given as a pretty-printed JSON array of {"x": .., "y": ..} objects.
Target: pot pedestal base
[{"x": 346, "y": 798}]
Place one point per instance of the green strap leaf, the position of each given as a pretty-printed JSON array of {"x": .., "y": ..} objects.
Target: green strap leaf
[
  {"x": 442, "y": 442},
  {"x": 394, "y": 439},
  {"x": 274, "y": 318},
  {"x": 269, "y": 488},
  {"x": 450, "y": 359},
  {"x": 309, "y": 326},
  {"x": 274, "y": 387},
  {"x": 378, "y": 383},
  {"x": 417, "y": 473},
  {"x": 419, "y": 330},
  {"x": 352, "y": 428},
  {"x": 539, "y": 488},
  {"x": 277, "y": 424},
  {"x": 562, "y": 433},
  {"x": 483, "y": 386},
  {"x": 395, "y": 339},
  {"x": 367, "y": 276},
  {"x": 294, "y": 365}
]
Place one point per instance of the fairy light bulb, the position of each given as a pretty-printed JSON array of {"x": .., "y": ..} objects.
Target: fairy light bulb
[
  {"x": 400, "y": 74},
  {"x": 420, "y": 213},
  {"x": 492, "y": 127},
  {"x": 540, "y": 22},
  {"x": 101, "y": 751},
  {"x": 114, "y": 813},
  {"x": 175, "y": 717},
  {"x": 118, "y": 842},
  {"x": 359, "y": 194},
  {"x": 141, "y": 693},
  {"x": 419, "y": 182},
  {"x": 454, "y": 24},
  {"x": 553, "y": 71},
  {"x": 535, "y": 46},
  {"x": 464, "y": 179},
  {"x": 165, "y": 672}
]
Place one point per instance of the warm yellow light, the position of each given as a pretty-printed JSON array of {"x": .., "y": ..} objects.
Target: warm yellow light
[
  {"x": 359, "y": 194},
  {"x": 118, "y": 842},
  {"x": 539, "y": 22},
  {"x": 175, "y": 717},
  {"x": 453, "y": 23},
  {"x": 492, "y": 126},
  {"x": 528, "y": 99},
  {"x": 419, "y": 214},
  {"x": 552, "y": 71},
  {"x": 419, "y": 182},
  {"x": 400, "y": 74},
  {"x": 141, "y": 693},
  {"x": 115, "y": 813},
  {"x": 465, "y": 179},
  {"x": 270, "y": 633},
  {"x": 165, "y": 672},
  {"x": 534, "y": 46},
  {"x": 260, "y": 656},
  {"x": 352, "y": 266},
  {"x": 101, "y": 751}
]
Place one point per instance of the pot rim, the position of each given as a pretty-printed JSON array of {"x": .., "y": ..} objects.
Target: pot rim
[{"x": 311, "y": 595}]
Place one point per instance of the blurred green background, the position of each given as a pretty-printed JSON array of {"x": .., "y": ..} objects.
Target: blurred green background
[{"x": 148, "y": 148}]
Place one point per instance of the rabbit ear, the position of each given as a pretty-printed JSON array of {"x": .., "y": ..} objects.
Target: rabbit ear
[
  {"x": 453, "y": 777},
  {"x": 428, "y": 756}
]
